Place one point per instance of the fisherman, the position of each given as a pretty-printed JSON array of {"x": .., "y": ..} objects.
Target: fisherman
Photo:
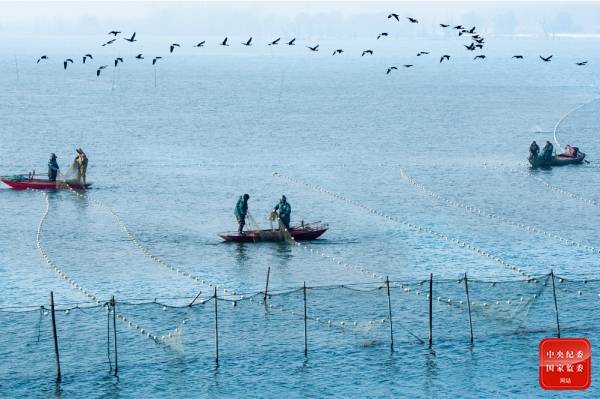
[
  {"x": 547, "y": 151},
  {"x": 571, "y": 151},
  {"x": 80, "y": 165},
  {"x": 241, "y": 210},
  {"x": 52, "y": 167},
  {"x": 285, "y": 211},
  {"x": 534, "y": 150}
]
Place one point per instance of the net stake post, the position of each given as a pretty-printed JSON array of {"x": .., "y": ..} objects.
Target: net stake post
[
  {"x": 555, "y": 304},
  {"x": 55, "y": 336},
  {"x": 387, "y": 284},
  {"x": 430, "y": 309},
  {"x": 267, "y": 285},
  {"x": 305, "y": 319},
  {"x": 469, "y": 306},
  {"x": 114, "y": 311},
  {"x": 216, "y": 328}
]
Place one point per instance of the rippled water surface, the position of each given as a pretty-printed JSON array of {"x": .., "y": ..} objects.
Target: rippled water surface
[{"x": 436, "y": 152}]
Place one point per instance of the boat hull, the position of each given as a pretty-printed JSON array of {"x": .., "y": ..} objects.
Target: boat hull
[
  {"x": 308, "y": 232},
  {"x": 43, "y": 184},
  {"x": 557, "y": 160}
]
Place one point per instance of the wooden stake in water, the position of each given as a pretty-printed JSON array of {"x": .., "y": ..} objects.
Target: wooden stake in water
[
  {"x": 555, "y": 304},
  {"x": 387, "y": 283},
  {"x": 216, "y": 328},
  {"x": 114, "y": 311},
  {"x": 430, "y": 309},
  {"x": 57, "y": 356},
  {"x": 305, "y": 318},
  {"x": 469, "y": 306},
  {"x": 267, "y": 284}
]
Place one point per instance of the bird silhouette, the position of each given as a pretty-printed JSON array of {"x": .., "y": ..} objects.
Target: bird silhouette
[
  {"x": 117, "y": 60},
  {"x": 275, "y": 42},
  {"x": 315, "y": 48},
  {"x": 131, "y": 39},
  {"x": 43, "y": 57},
  {"x": 201, "y": 44},
  {"x": 444, "y": 25},
  {"x": 581, "y": 63},
  {"x": 248, "y": 42},
  {"x": 445, "y": 56},
  {"x": 224, "y": 42},
  {"x": 65, "y": 62},
  {"x": 390, "y": 69},
  {"x": 413, "y": 20},
  {"x": 381, "y": 34},
  {"x": 100, "y": 68},
  {"x": 547, "y": 59},
  {"x": 479, "y": 57},
  {"x": 338, "y": 51},
  {"x": 470, "y": 47},
  {"x": 407, "y": 65},
  {"x": 109, "y": 42},
  {"x": 458, "y": 27},
  {"x": 291, "y": 42},
  {"x": 422, "y": 53},
  {"x": 114, "y": 32},
  {"x": 155, "y": 59},
  {"x": 479, "y": 46},
  {"x": 172, "y": 47},
  {"x": 472, "y": 30},
  {"x": 85, "y": 57},
  {"x": 370, "y": 52},
  {"x": 394, "y": 15},
  {"x": 518, "y": 57},
  {"x": 139, "y": 57}
]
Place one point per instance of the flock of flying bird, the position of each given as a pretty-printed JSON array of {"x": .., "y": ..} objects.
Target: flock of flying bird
[{"x": 477, "y": 43}]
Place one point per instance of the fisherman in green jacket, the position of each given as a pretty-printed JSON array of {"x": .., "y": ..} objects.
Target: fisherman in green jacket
[
  {"x": 241, "y": 210},
  {"x": 285, "y": 211}
]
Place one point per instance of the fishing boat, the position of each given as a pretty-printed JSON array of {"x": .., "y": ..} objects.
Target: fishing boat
[
  {"x": 304, "y": 232},
  {"x": 24, "y": 182},
  {"x": 556, "y": 160}
]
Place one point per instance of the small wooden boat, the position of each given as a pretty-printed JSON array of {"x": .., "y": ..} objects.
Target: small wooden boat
[
  {"x": 557, "y": 160},
  {"x": 24, "y": 182},
  {"x": 305, "y": 232}
]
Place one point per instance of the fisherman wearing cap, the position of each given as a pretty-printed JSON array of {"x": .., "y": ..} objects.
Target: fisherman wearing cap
[
  {"x": 285, "y": 211},
  {"x": 241, "y": 210},
  {"x": 52, "y": 167}
]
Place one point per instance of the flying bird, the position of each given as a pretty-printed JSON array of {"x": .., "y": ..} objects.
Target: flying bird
[
  {"x": 338, "y": 51},
  {"x": 581, "y": 63},
  {"x": 547, "y": 59},
  {"x": 43, "y": 57},
  {"x": 100, "y": 69},
  {"x": 458, "y": 27},
  {"x": 422, "y": 53},
  {"x": 291, "y": 42},
  {"x": 117, "y": 60},
  {"x": 470, "y": 47},
  {"x": 444, "y": 25},
  {"x": 381, "y": 34},
  {"x": 316, "y": 48},
  {"x": 224, "y": 42},
  {"x": 275, "y": 42},
  {"x": 172, "y": 47},
  {"x": 201, "y": 44},
  {"x": 394, "y": 15},
  {"x": 479, "y": 57},
  {"x": 479, "y": 46},
  {"x": 413, "y": 20},
  {"x": 518, "y": 57},
  {"x": 370, "y": 52},
  {"x": 155, "y": 59},
  {"x": 85, "y": 57},
  {"x": 472, "y": 30},
  {"x": 407, "y": 65},
  {"x": 248, "y": 42},
  {"x": 67, "y": 61},
  {"x": 109, "y": 42},
  {"x": 390, "y": 69},
  {"x": 445, "y": 56},
  {"x": 131, "y": 39},
  {"x": 114, "y": 32},
  {"x": 139, "y": 57}
]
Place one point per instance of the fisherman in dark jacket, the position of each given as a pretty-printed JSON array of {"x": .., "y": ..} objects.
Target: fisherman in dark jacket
[
  {"x": 52, "y": 167},
  {"x": 547, "y": 151},
  {"x": 534, "y": 150},
  {"x": 285, "y": 211},
  {"x": 241, "y": 210}
]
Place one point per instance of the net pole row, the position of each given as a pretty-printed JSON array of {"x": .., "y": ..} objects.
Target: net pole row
[
  {"x": 216, "y": 329},
  {"x": 555, "y": 303},
  {"x": 55, "y": 336},
  {"x": 114, "y": 311},
  {"x": 469, "y": 307},
  {"x": 267, "y": 285},
  {"x": 305, "y": 319},
  {"x": 387, "y": 284}
]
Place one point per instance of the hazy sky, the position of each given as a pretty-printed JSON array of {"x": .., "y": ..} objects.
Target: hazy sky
[{"x": 317, "y": 19}]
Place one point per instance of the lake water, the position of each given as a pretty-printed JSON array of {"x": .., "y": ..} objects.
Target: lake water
[{"x": 172, "y": 160}]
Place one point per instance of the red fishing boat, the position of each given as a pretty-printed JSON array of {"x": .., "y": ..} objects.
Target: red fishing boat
[
  {"x": 24, "y": 182},
  {"x": 305, "y": 232}
]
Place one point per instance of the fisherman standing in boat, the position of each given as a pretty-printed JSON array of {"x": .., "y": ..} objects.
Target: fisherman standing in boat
[
  {"x": 534, "y": 150},
  {"x": 285, "y": 211},
  {"x": 547, "y": 151},
  {"x": 80, "y": 165},
  {"x": 52, "y": 167},
  {"x": 241, "y": 210}
]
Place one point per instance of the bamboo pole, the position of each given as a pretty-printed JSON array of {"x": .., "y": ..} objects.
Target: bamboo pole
[
  {"x": 469, "y": 306},
  {"x": 305, "y": 319},
  {"x": 555, "y": 303},
  {"x": 56, "y": 353},
  {"x": 216, "y": 328},
  {"x": 114, "y": 310},
  {"x": 267, "y": 285},
  {"x": 430, "y": 309},
  {"x": 387, "y": 283}
]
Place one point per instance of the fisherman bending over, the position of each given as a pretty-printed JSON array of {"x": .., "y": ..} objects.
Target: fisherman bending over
[
  {"x": 534, "y": 150},
  {"x": 241, "y": 210},
  {"x": 52, "y": 167},
  {"x": 285, "y": 211},
  {"x": 547, "y": 151}
]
